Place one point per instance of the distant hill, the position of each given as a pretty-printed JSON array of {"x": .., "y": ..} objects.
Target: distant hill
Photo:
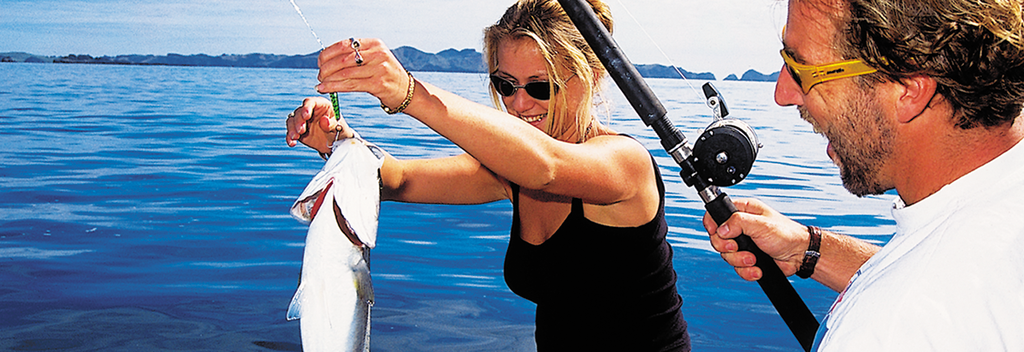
[
  {"x": 662, "y": 71},
  {"x": 752, "y": 75},
  {"x": 23, "y": 57},
  {"x": 451, "y": 60}
]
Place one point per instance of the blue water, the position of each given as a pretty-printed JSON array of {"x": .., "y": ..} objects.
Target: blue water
[{"x": 146, "y": 208}]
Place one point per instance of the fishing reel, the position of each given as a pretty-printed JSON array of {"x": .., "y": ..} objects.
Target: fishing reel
[{"x": 724, "y": 153}]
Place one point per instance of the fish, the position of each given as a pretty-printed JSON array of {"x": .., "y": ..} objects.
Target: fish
[{"x": 341, "y": 204}]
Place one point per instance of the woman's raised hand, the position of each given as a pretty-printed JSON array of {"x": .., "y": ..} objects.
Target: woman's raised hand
[
  {"x": 315, "y": 125},
  {"x": 363, "y": 65}
]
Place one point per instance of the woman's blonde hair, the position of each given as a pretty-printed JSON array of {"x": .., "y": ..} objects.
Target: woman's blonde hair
[{"x": 564, "y": 50}]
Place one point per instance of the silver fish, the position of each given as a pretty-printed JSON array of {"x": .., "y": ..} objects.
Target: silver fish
[{"x": 335, "y": 292}]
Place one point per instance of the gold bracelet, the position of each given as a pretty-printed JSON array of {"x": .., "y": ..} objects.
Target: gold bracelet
[{"x": 408, "y": 98}]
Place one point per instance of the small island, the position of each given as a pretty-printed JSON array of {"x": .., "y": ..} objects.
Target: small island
[{"x": 450, "y": 60}]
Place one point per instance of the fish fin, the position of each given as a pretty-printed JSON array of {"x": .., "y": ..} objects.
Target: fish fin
[
  {"x": 365, "y": 291},
  {"x": 379, "y": 153},
  {"x": 295, "y": 308}
]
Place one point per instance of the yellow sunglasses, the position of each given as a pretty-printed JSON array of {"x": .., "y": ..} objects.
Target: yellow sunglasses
[{"x": 808, "y": 76}]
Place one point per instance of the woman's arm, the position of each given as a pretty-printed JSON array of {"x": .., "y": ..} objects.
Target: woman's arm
[
  {"x": 603, "y": 170},
  {"x": 458, "y": 179},
  {"x": 453, "y": 180}
]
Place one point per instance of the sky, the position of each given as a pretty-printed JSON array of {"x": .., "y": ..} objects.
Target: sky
[{"x": 719, "y": 36}]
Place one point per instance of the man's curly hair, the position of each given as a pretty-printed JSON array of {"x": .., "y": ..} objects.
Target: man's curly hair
[{"x": 974, "y": 49}]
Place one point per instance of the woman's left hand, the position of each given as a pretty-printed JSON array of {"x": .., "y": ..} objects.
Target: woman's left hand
[
  {"x": 315, "y": 125},
  {"x": 379, "y": 74}
]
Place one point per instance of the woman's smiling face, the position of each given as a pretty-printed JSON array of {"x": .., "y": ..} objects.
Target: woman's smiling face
[{"x": 520, "y": 62}]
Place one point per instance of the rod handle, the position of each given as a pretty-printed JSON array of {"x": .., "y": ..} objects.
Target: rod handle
[{"x": 773, "y": 282}]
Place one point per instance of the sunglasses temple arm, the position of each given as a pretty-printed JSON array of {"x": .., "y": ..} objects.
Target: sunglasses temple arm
[{"x": 774, "y": 283}]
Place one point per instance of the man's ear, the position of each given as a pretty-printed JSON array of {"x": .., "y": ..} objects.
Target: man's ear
[{"x": 914, "y": 97}]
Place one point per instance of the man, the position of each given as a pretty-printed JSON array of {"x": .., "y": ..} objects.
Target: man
[{"x": 923, "y": 97}]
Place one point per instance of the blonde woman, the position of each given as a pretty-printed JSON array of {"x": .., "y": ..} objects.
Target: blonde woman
[{"x": 587, "y": 242}]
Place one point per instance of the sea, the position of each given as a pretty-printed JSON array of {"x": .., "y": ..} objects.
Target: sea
[{"x": 145, "y": 208}]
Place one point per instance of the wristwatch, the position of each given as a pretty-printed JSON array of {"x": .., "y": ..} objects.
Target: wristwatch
[{"x": 812, "y": 254}]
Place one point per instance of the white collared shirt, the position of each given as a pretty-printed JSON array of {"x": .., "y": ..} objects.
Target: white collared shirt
[{"x": 950, "y": 279}]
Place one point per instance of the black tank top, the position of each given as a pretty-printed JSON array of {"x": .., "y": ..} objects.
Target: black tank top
[{"x": 599, "y": 288}]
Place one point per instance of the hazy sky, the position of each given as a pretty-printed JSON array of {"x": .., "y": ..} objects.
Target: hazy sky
[{"x": 718, "y": 36}]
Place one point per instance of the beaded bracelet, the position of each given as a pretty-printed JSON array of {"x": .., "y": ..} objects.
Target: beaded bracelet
[
  {"x": 812, "y": 254},
  {"x": 408, "y": 98}
]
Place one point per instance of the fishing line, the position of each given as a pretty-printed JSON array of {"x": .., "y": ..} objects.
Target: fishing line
[
  {"x": 649, "y": 37},
  {"x": 307, "y": 24},
  {"x": 334, "y": 96}
]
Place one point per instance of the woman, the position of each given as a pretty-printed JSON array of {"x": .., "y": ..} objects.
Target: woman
[{"x": 588, "y": 231}]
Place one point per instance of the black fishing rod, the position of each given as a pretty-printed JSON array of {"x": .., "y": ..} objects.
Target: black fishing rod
[{"x": 722, "y": 156}]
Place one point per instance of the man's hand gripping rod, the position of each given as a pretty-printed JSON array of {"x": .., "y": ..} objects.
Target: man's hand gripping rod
[{"x": 694, "y": 166}]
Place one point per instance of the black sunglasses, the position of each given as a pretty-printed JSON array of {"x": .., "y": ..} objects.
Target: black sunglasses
[{"x": 537, "y": 90}]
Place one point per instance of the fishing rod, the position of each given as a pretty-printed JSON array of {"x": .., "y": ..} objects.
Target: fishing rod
[{"x": 722, "y": 156}]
